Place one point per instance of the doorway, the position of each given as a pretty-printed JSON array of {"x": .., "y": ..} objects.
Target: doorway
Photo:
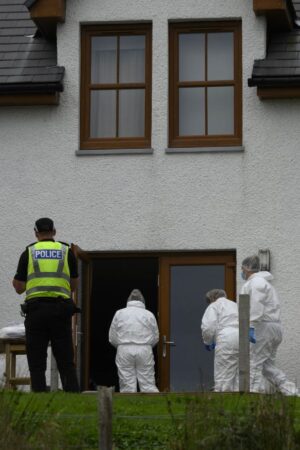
[
  {"x": 174, "y": 287},
  {"x": 113, "y": 280}
]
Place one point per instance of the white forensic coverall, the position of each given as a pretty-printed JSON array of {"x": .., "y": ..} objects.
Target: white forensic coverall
[
  {"x": 265, "y": 319},
  {"x": 220, "y": 324},
  {"x": 134, "y": 332}
]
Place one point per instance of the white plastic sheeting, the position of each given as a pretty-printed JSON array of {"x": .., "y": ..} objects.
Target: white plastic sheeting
[{"x": 13, "y": 331}]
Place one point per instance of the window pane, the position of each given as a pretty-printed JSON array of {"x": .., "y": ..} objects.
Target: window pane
[
  {"x": 132, "y": 113},
  {"x": 104, "y": 59},
  {"x": 220, "y": 102},
  {"x": 220, "y": 56},
  {"x": 132, "y": 59},
  {"x": 103, "y": 114},
  {"x": 192, "y": 57},
  {"x": 191, "y": 111}
]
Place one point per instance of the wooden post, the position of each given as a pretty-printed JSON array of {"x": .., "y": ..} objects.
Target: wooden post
[
  {"x": 244, "y": 347},
  {"x": 105, "y": 417},
  {"x": 54, "y": 374}
]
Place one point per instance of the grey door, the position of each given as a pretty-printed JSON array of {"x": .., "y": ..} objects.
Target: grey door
[{"x": 190, "y": 366}]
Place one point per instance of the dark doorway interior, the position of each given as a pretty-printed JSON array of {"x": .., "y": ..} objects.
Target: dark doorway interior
[{"x": 113, "y": 280}]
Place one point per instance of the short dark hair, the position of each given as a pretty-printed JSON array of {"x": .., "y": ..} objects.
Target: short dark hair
[{"x": 44, "y": 225}]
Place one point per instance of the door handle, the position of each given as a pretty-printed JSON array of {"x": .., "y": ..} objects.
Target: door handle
[{"x": 165, "y": 343}]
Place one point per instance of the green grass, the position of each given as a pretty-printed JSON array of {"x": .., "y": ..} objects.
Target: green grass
[
  {"x": 253, "y": 422},
  {"x": 63, "y": 421}
]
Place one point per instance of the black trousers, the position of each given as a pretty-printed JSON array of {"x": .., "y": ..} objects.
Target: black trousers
[{"x": 50, "y": 320}]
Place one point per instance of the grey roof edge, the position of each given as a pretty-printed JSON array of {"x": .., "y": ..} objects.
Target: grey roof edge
[
  {"x": 274, "y": 82},
  {"x": 30, "y": 88}
]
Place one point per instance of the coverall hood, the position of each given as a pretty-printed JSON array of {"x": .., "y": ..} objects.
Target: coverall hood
[
  {"x": 135, "y": 303},
  {"x": 263, "y": 274}
]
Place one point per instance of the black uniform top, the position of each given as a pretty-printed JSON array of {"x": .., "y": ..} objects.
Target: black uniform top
[{"x": 21, "y": 274}]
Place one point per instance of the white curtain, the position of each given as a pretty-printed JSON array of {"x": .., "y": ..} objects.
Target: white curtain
[
  {"x": 132, "y": 59},
  {"x": 220, "y": 56},
  {"x": 131, "y": 101},
  {"x": 103, "y": 114},
  {"x": 132, "y": 113},
  {"x": 220, "y": 105},
  {"x": 191, "y": 57},
  {"x": 104, "y": 59},
  {"x": 191, "y": 111}
]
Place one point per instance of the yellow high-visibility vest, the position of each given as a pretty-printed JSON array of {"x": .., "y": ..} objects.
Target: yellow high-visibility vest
[{"x": 48, "y": 273}]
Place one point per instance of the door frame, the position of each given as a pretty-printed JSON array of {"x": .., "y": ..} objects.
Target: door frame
[
  {"x": 165, "y": 260},
  {"x": 80, "y": 326},
  {"x": 87, "y": 257}
]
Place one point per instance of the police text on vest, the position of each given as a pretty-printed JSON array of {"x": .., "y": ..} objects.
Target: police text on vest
[{"x": 47, "y": 254}]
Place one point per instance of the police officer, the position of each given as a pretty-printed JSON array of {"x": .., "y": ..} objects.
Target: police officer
[{"x": 47, "y": 271}]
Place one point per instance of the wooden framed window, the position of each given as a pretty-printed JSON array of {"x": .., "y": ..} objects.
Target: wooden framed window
[
  {"x": 116, "y": 86},
  {"x": 205, "y": 92}
]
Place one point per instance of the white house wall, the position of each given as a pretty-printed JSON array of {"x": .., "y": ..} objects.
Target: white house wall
[{"x": 242, "y": 201}]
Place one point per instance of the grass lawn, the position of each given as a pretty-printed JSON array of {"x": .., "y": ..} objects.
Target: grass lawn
[{"x": 140, "y": 422}]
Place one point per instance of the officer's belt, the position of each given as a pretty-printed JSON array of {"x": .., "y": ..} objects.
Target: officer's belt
[{"x": 47, "y": 300}]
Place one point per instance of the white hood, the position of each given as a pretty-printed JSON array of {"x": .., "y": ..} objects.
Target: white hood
[
  {"x": 263, "y": 274},
  {"x": 135, "y": 303}
]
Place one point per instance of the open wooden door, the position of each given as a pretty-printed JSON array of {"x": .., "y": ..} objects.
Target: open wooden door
[
  {"x": 184, "y": 365},
  {"x": 82, "y": 297}
]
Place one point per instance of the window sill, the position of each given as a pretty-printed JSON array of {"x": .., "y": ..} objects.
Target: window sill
[
  {"x": 117, "y": 151},
  {"x": 237, "y": 149}
]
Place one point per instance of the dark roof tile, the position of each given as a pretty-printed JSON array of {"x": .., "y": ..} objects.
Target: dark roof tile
[
  {"x": 14, "y": 40},
  {"x": 21, "y": 23},
  {"x": 283, "y": 55},
  {"x": 277, "y": 64},
  {"x": 290, "y": 37},
  {"x": 46, "y": 78},
  {"x": 274, "y": 71},
  {"x": 12, "y": 8},
  {"x": 13, "y": 15},
  {"x": 20, "y": 78},
  {"x": 17, "y": 31},
  {"x": 12, "y": 2}
]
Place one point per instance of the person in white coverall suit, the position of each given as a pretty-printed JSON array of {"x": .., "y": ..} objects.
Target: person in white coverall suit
[
  {"x": 134, "y": 332},
  {"x": 265, "y": 319},
  {"x": 220, "y": 329}
]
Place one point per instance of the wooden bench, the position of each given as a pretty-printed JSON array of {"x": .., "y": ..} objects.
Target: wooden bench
[{"x": 12, "y": 348}]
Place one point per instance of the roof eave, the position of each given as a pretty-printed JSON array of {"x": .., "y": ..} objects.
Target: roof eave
[
  {"x": 31, "y": 88},
  {"x": 274, "y": 82}
]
